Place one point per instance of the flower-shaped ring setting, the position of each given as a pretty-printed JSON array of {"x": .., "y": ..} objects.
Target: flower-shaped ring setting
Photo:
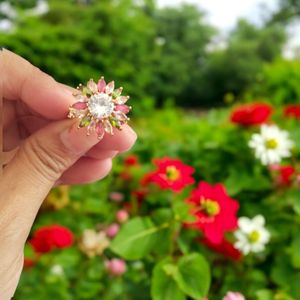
[{"x": 100, "y": 107}]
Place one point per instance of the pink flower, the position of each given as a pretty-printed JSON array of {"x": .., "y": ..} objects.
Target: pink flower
[
  {"x": 112, "y": 230},
  {"x": 116, "y": 196},
  {"x": 234, "y": 296},
  {"x": 122, "y": 216},
  {"x": 115, "y": 266}
]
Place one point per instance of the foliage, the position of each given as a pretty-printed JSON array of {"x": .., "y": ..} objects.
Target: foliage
[
  {"x": 182, "y": 36},
  {"x": 75, "y": 42},
  {"x": 158, "y": 54},
  {"x": 287, "y": 11},
  {"x": 234, "y": 69},
  {"x": 278, "y": 81},
  {"x": 165, "y": 259},
  {"x": 136, "y": 236}
]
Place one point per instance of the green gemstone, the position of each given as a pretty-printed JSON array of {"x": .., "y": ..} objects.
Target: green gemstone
[
  {"x": 114, "y": 122},
  {"x": 116, "y": 93},
  {"x": 85, "y": 121},
  {"x": 86, "y": 91}
]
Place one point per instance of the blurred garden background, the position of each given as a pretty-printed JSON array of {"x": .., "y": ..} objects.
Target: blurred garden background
[{"x": 207, "y": 203}]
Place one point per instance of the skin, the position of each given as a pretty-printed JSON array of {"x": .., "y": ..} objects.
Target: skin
[{"x": 41, "y": 149}]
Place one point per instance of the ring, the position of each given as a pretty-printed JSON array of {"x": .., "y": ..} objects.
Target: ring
[{"x": 100, "y": 107}]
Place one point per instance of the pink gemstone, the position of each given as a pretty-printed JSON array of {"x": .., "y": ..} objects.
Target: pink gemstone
[
  {"x": 120, "y": 116},
  {"x": 92, "y": 86},
  {"x": 99, "y": 130},
  {"x": 122, "y": 99},
  {"x": 101, "y": 85},
  {"x": 107, "y": 127},
  {"x": 123, "y": 108},
  {"x": 110, "y": 87},
  {"x": 91, "y": 127},
  {"x": 79, "y": 105}
]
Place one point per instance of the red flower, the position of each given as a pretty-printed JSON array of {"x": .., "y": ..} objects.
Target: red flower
[
  {"x": 214, "y": 210},
  {"x": 125, "y": 175},
  {"x": 226, "y": 248},
  {"x": 147, "y": 178},
  {"x": 251, "y": 114},
  {"x": 285, "y": 174},
  {"x": 171, "y": 174},
  {"x": 139, "y": 195},
  {"x": 28, "y": 263},
  {"x": 131, "y": 160},
  {"x": 292, "y": 110},
  {"x": 47, "y": 238}
]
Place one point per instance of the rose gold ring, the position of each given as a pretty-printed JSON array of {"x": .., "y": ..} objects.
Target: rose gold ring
[{"x": 100, "y": 107}]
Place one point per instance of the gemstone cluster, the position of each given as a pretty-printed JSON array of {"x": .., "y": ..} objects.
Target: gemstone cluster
[{"x": 100, "y": 107}]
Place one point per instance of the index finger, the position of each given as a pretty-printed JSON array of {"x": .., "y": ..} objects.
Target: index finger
[{"x": 21, "y": 81}]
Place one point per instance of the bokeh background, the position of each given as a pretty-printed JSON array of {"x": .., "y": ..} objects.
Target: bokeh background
[{"x": 186, "y": 66}]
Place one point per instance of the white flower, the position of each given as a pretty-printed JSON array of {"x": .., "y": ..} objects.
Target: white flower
[
  {"x": 57, "y": 270},
  {"x": 271, "y": 144},
  {"x": 93, "y": 243},
  {"x": 252, "y": 236}
]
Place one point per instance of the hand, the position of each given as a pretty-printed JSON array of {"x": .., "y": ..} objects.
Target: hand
[{"x": 43, "y": 148}]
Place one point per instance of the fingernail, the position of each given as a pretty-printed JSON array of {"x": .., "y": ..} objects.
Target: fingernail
[
  {"x": 76, "y": 139},
  {"x": 131, "y": 132}
]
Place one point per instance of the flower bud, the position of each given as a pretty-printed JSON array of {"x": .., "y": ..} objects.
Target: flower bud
[
  {"x": 112, "y": 230},
  {"x": 57, "y": 270},
  {"x": 115, "y": 266},
  {"x": 122, "y": 216},
  {"x": 234, "y": 296},
  {"x": 116, "y": 196}
]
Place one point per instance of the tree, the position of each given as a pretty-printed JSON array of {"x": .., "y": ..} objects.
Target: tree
[
  {"x": 288, "y": 10},
  {"x": 75, "y": 41},
  {"x": 182, "y": 37},
  {"x": 235, "y": 69}
]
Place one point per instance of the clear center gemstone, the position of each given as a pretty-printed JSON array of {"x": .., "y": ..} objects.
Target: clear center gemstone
[{"x": 101, "y": 105}]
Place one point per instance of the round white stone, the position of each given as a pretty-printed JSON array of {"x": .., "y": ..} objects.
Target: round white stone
[{"x": 100, "y": 105}]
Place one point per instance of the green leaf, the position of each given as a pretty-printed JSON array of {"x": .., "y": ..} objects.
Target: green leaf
[
  {"x": 193, "y": 276},
  {"x": 163, "y": 286},
  {"x": 285, "y": 276},
  {"x": 136, "y": 238},
  {"x": 295, "y": 252},
  {"x": 240, "y": 180},
  {"x": 264, "y": 295},
  {"x": 181, "y": 211},
  {"x": 292, "y": 198},
  {"x": 296, "y": 204}
]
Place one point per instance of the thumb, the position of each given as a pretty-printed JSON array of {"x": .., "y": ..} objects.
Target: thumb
[
  {"x": 41, "y": 160},
  {"x": 26, "y": 181}
]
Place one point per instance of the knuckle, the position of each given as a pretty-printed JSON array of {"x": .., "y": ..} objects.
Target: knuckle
[{"x": 48, "y": 163}]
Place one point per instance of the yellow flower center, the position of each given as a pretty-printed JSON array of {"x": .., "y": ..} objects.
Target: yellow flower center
[
  {"x": 172, "y": 173},
  {"x": 254, "y": 236},
  {"x": 271, "y": 144},
  {"x": 210, "y": 207}
]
